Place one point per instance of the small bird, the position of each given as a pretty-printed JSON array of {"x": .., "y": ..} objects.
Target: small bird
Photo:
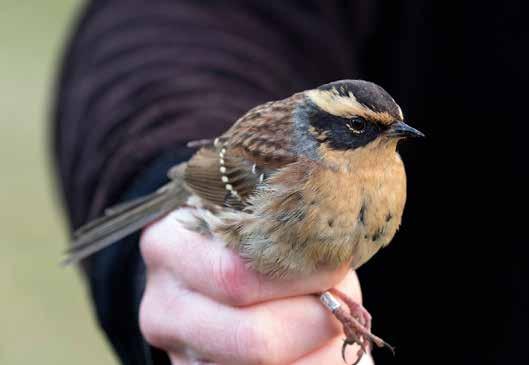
[{"x": 311, "y": 182}]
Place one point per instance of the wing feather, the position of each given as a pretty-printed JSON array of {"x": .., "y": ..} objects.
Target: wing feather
[{"x": 228, "y": 171}]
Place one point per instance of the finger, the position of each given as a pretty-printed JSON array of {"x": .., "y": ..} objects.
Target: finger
[
  {"x": 276, "y": 332},
  {"x": 330, "y": 353},
  {"x": 207, "y": 266}
]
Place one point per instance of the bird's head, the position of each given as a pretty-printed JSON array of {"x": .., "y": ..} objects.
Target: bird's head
[{"x": 351, "y": 114}]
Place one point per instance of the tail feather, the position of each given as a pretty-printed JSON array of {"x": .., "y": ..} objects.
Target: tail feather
[
  {"x": 123, "y": 211},
  {"x": 122, "y": 220},
  {"x": 109, "y": 212}
]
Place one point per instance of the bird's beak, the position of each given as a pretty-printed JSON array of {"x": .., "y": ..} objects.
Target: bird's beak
[{"x": 402, "y": 130}]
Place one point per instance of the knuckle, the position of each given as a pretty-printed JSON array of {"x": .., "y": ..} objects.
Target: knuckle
[
  {"x": 160, "y": 308},
  {"x": 150, "y": 324},
  {"x": 231, "y": 276},
  {"x": 152, "y": 247},
  {"x": 252, "y": 344}
]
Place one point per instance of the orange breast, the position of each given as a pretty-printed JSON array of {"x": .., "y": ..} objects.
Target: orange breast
[{"x": 359, "y": 207}]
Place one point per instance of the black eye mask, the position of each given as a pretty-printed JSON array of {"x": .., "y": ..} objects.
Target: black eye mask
[{"x": 340, "y": 132}]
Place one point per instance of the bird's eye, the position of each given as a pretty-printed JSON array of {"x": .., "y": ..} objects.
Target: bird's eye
[{"x": 357, "y": 125}]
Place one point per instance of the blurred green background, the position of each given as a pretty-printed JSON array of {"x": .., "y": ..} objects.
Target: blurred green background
[{"x": 45, "y": 316}]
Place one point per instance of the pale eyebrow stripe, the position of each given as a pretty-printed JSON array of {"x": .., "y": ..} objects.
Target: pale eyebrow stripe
[{"x": 345, "y": 106}]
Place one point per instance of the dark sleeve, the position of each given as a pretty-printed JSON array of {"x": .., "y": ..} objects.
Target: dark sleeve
[
  {"x": 141, "y": 78},
  {"x": 116, "y": 275}
]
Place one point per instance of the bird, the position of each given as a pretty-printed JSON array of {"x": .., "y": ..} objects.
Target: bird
[{"x": 307, "y": 183}]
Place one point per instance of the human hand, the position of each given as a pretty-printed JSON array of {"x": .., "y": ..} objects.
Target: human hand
[{"x": 201, "y": 304}]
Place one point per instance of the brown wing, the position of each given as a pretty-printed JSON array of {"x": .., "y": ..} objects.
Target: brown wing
[{"x": 228, "y": 172}]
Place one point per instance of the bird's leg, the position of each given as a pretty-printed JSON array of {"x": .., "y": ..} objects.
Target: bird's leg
[
  {"x": 356, "y": 323},
  {"x": 355, "y": 309}
]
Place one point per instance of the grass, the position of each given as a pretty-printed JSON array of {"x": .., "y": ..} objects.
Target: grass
[{"x": 45, "y": 313}]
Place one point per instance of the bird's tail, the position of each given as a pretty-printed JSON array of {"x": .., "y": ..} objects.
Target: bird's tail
[{"x": 124, "y": 219}]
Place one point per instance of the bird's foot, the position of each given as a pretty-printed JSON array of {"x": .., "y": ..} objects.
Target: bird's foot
[{"x": 356, "y": 324}]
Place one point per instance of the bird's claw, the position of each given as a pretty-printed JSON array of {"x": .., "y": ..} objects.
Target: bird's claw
[
  {"x": 359, "y": 354},
  {"x": 357, "y": 327}
]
